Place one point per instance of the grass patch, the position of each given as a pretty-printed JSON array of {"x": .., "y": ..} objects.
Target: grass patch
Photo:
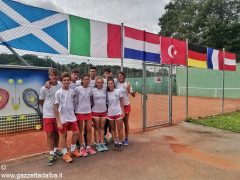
[{"x": 228, "y": 121}]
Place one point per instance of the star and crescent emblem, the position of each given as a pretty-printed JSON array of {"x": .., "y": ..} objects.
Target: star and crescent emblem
[{"x": 172, "y": 51}]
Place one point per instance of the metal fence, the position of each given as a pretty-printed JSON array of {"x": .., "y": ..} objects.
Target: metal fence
[
  {"x": 208, "y": 92},
  {"x": 23, "y": 126},
  {"x": 157, "y": 102},
  {"x": 206, "y": 98}
]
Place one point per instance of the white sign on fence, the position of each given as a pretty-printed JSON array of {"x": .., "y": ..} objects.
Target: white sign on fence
[{"x": 158, "y": 79}]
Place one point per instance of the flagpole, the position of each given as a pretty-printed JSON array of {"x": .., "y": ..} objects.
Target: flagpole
[
  {"x": 122, "y": 47},
  {"x": 170, "y": 96},
  {"x": 144, "y": 87},
  {"x": 187, "y": 79},
  {"x": 14, "y": 52},
  {"x": 223, "y": 75},
  {"x": 170, "y": 90}
]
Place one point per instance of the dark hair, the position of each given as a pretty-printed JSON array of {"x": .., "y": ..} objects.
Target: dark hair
[
  {"x": 75, "y": 71},
  {"x": 83, "y": 77},
  {"x": 122, "y": 73},
  {"x": 110, "y": 79},
  {"x": 65, "y": 74},
  {"x": 93, "y": 67},
  {"x": 52, "y": 71},
  {"x": 107, "y": 70}
]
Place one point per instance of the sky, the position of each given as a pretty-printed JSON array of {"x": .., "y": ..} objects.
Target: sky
[{"x": 140, "y": 14}]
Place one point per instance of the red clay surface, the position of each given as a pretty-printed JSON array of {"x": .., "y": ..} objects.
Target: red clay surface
[{"x": 19, "y": 145}]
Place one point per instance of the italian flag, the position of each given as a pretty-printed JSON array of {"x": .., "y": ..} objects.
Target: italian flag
[{"x": 94, "y": 39}]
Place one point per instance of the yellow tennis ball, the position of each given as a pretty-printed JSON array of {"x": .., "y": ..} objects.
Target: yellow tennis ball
[
  {"x": 9, "y": 118},
  {"x": 38, "y": 126},
  {"x": 10, "y": 81},
  {"x": 22, "y": 117},
  {"x": 20, "y": 81},
  {"x": 32, "y": 99},
  {"x": 15, "y": 106}
]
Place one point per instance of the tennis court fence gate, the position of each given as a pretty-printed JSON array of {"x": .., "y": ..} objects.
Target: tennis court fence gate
[{"x": 157, "y": 108}]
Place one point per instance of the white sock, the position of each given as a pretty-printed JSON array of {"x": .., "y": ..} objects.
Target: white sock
[
  {"x": 55, "y": 149},
  {"x": 64, "y": 150},
  {"x": 51, "y": 152},
  {"x": 88, "y": 147},
  {"x": 73, "y": 147},
  {"x": 116, "y": 142},
  {"x": 120, "y": 143}
]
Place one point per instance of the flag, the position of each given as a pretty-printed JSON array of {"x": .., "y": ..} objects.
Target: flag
[
  {"x": 141, "y": 45},
  {"x": 133, "y": 43},
  {"x": 229, "y": 62},
  {"x": 173, "y": 51},
  {"x": 33, "y": 29},
  {"x": 152, "y": 50},
  {"x": 215, "y": 60},
  {"x": 94, "y": 39},
  {"x": 197, "y": 56}
]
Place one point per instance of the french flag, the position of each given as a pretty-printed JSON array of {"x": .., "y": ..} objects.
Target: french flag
[
  {"x": 215, "y": 60},
  {"x": 141, "y": 45}
]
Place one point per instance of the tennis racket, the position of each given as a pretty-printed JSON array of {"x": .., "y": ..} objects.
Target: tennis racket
[
  {"x": 31, "y": 99},
  {"x": 4, "y": 97}
]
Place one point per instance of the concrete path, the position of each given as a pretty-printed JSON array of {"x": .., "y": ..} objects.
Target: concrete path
[{"x": 182, "y": 151}]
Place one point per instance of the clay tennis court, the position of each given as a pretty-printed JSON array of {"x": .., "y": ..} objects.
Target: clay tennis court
[{"x": 29, "y": 143}]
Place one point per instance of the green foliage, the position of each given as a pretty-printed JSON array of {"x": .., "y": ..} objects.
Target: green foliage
[
  {"x": 212, "y": 23},
  {"x": 228, "y": 121}
]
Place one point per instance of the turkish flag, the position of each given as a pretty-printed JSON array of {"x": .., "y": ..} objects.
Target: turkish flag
[{"x": 173, "y": 51}]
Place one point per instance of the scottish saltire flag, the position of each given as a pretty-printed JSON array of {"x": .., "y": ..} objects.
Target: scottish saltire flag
[
  {"x": 219, "y": 61},
  {"x": 141, "y": 45},
  {"x": 34, "y": 29}
]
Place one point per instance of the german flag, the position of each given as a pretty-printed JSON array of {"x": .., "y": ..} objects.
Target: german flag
[{"x": 197, "y": 56}]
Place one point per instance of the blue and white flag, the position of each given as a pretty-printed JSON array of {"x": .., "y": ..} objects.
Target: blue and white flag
[{"x": 33, "y": 29}]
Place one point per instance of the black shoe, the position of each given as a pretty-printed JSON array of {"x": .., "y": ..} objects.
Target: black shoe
[
  {"x": 50, "y": 159},
  {"x": 106, "y": 141},
  {"x": 78, "y": 144},
  {"x": 58, "y": 154},
  {"x": 120, "y": 147},
  {"x": 115, "y": 147}
]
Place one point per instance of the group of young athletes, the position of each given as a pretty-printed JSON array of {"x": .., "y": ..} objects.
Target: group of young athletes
[{"x": 78, "y": 105}]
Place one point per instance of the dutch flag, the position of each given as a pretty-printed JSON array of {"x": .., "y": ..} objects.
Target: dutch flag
[{"x": 141, "y": 45}]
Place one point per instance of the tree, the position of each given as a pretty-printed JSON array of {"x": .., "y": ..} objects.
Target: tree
[
  {"x": 33, "y": 60},
  {"x": 212, "y": 23}
]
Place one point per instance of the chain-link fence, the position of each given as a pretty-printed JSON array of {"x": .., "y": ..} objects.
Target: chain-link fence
[
  {"x": 157, "y": 95},
  {"x": 18, "y": 124},
  {"x": 208, "y": 92}
]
